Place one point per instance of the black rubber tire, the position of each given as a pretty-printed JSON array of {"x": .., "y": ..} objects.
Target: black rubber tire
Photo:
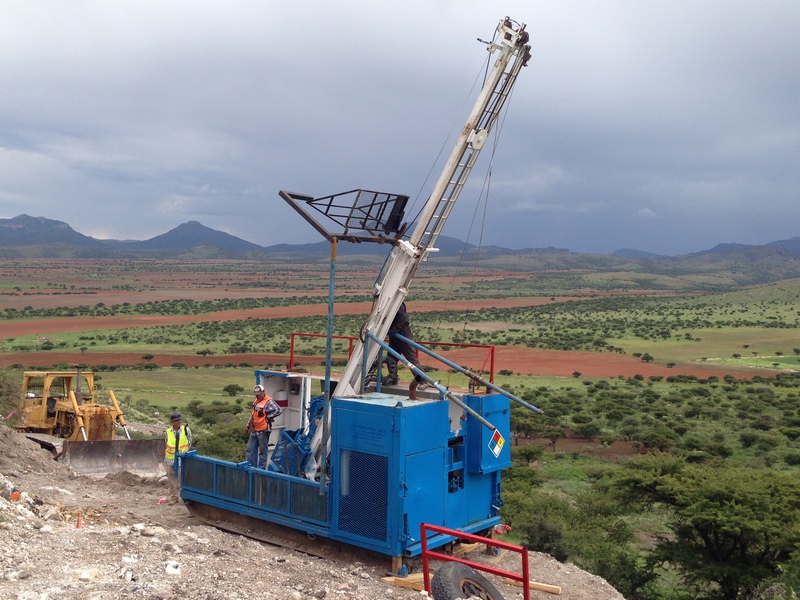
[{"x": 456, "y": 580}]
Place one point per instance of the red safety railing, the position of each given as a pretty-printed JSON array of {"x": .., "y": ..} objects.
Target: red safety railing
[
  {"x": 318, "y": 335},
  {"x": 490, "y": 356},
  {"x": 523, "y": 578}
]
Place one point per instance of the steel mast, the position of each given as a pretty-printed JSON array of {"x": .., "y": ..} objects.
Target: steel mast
[{"x": 391, "y": 286}]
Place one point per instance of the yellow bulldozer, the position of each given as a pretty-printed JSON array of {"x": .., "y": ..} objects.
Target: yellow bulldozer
[{"x": 60, "y": 411}]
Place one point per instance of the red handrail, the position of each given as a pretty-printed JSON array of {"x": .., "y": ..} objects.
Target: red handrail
[
  {"x": 523, "y": 578},
  {"x": 489, "y": 357}
]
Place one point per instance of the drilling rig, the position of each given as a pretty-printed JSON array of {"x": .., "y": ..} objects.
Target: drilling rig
[{"x": 365, "y": 468}]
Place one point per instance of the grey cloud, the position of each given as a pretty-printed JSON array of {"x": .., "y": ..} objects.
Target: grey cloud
[{"x": 151, "y": 114}]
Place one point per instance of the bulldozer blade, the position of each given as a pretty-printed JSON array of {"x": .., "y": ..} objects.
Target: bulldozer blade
[{"x": 100, "y": 457}]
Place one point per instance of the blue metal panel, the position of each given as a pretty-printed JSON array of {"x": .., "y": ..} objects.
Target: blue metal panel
[
  {"x": 363, "y": 444},
  {"x": 481, "y": 456},
  {"x": 380, "y": 475},
  {"x": 425, "y": 492}
]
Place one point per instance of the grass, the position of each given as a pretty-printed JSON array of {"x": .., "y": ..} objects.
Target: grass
[
  {"x": 170, "y": 389},
  {"x": 719, "y": 345}
]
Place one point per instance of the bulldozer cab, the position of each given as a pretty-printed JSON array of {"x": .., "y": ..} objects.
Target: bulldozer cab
[{"x": 47, "y": 402}]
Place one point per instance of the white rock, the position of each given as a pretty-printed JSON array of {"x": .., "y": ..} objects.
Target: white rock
[
  {"x": 170, "y": 570},
  {"x": 58, "y": 489},
  {"x": 85, "y": 576}
]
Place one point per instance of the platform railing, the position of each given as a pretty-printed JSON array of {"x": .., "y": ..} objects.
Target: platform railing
[
  {"x": 427, "y": 555},
  {"x": 490, "y": 355}
]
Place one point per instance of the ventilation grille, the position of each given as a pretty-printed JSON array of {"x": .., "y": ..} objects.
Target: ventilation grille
[{"x": 362, "y": 505}]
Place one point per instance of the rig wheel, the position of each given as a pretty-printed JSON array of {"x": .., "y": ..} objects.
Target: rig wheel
[{"x": 456, "y": 580}]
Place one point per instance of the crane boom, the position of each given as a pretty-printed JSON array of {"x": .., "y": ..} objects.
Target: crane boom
[{"x": 391, "y": 286}]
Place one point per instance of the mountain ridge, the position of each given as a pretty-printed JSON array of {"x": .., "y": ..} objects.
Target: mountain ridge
[{"x": 195, "y": 240}]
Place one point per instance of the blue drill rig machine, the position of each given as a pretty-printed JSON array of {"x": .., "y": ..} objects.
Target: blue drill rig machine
[{"x": 360, "y": 467}]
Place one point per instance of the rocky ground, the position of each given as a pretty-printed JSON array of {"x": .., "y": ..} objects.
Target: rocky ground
[{"x": 65, "y": 536}]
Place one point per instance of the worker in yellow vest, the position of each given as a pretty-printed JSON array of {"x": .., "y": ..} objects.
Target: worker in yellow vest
[{"x": 179, "y": 441}]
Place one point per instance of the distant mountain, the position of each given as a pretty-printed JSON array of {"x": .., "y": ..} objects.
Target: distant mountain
[
  {"x": 632, "y": 253},
  {"x": 27, "y": 231},
  {"x": 39, "y": 232},
  {"x": 724, "y": 265},
  {"x": 722, "y": 248},
  {"x": 193, "y": 234},
  {"x": 447, "y": 246},
  {"x": 792, "y": 245}
]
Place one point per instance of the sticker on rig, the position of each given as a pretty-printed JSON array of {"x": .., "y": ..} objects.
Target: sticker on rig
[{"x": 496, "y": 443}]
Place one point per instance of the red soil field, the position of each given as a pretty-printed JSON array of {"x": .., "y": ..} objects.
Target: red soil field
[
  {"x": 525, "y": 361},
  {"x": 39, "y": 326}
]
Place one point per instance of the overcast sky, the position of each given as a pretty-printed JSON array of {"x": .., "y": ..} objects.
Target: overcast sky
[{"x": 667, "y": 126}]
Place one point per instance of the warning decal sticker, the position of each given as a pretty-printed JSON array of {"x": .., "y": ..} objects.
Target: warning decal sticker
[{"x": 496, "y": 443}]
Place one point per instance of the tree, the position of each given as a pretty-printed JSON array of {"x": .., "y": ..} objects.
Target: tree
[
  {"x": 647, "y": 358},
  {"x": 589, "y": 430},
  {"x": 660, "y": 438},
  {"x": 554, "y": 434},
  {"x": 732, "y": 528},
  {"x": 528, "y": 453},
  {"x": 233, "y": 389},
  {"x": 523, "y": 423}
]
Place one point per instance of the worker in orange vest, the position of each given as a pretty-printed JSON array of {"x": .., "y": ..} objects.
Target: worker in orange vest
[{"x": 257, "y": 428}]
